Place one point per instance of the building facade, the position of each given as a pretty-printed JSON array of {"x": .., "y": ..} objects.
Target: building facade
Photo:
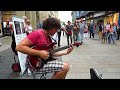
[
  {"x": 97, "y": 16},
  {"x": 35, "y": 16}
]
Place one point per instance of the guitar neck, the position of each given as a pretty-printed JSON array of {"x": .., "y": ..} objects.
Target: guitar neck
[{"x": 59, "y": 49}]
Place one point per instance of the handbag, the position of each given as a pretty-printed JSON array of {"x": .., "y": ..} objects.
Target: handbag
[{"x": 69, "y": 32}]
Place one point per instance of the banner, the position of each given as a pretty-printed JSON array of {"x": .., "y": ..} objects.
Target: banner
[{"x": 19, "y": 33}]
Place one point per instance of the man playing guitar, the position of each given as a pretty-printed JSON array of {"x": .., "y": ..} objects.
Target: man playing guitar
[{"x": 38, "y": 43}]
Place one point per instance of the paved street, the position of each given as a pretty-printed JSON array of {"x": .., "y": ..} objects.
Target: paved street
[{"x": 102, "y": 56}]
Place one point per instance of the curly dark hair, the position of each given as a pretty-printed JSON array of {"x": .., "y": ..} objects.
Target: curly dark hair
[{"x": 51, "y": 23}]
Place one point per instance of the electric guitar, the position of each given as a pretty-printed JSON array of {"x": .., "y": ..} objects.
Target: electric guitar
[{"x": 38, "y": 62}]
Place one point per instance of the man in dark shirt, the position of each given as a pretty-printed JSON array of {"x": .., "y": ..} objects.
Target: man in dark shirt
[{"x": 68, "y": 30}]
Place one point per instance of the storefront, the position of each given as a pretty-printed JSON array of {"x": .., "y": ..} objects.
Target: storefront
[
  {"x": 6, "y": 18},
  {"x": 113, "y": 18}
]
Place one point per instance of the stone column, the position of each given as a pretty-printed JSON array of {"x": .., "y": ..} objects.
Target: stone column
[
  {"x": 42, "y": 15},
  {"x": 20, "y": 13},
  {"x": 29, "y": 15},
  {"x": 34, "y": 20}
]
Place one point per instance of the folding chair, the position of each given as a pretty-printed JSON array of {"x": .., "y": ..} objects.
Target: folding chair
[{"x": 34, "y": 71}]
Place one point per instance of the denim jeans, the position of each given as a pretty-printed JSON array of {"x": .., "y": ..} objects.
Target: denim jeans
[
  {"x": 80, "y": 36},
  {"x": 111, "y": 38}
]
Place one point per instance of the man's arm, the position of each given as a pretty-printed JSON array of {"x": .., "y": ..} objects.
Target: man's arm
[
  {"x": 65, "y": 29},
  {"x": 63, "y": 52},
  {"x": 24, "y": 47}
]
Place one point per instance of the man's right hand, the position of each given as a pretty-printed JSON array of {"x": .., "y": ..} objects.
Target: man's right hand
[{"x": 43, "y": 54}]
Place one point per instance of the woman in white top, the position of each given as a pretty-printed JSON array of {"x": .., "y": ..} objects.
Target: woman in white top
[{"x": 28, "y": 27}]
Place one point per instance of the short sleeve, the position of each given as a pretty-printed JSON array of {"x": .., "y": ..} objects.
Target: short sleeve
[{"x": 33, "y": 37}]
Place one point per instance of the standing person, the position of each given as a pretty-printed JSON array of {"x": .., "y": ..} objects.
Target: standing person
[
  {"x": 108, "y": 29},
  {"x": 111, "y": 36},
  {"x": 82, "y": 28},
  {"x": 104, "y": 35},
  {"x": 41, "y": 24},
  {"x": 68, "y": 30},
  {"x": 114, "y": 30},
  {"x": 25, "y": 25},
  {"x": 91, "y": 30},
  {"x": 75, "y": 31},
  {"x": 100, "y": 30},
  {"x": 28, "y": 27},
  {"x": 41, "y": 38},
  {"x": 59, "y": 35},
  {"x": 63, "y": 27},
  {"x": 25, "y": 20},
  {"x": 118, "y": 32},
  {"x": 8, "y": 30}
]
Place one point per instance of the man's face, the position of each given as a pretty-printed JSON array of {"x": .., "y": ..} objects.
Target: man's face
[
  {"x": 69, "y": 23},
  {"x": 52, "y": 31}
]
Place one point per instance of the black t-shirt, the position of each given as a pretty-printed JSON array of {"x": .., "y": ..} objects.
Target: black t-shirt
[{"x": 69, "y": 27}]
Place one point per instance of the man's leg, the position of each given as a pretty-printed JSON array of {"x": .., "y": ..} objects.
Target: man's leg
[
  {"x": 74, "y": 36},
  {"x": 61, "y": 74},
  {"x": 71, "y": 38},
  {"x": 82, "y": 37},
  {"x": 90, "y": 34},
  {"x": 93, "y": 35},
  {"x": 118, "y": 36},
  {"x": 68, "y": 39},
  {"x": 59, "y": 36},
  {"x": 78, "y": 38}
]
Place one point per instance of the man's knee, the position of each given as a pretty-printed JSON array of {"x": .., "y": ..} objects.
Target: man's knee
[{"x": 66, "y": 66}]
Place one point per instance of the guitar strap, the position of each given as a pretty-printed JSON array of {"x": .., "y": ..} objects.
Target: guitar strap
[{"x": 53, "y": 39}]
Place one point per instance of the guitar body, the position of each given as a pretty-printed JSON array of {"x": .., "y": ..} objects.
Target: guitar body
[{"x": 37, "y": 62}]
